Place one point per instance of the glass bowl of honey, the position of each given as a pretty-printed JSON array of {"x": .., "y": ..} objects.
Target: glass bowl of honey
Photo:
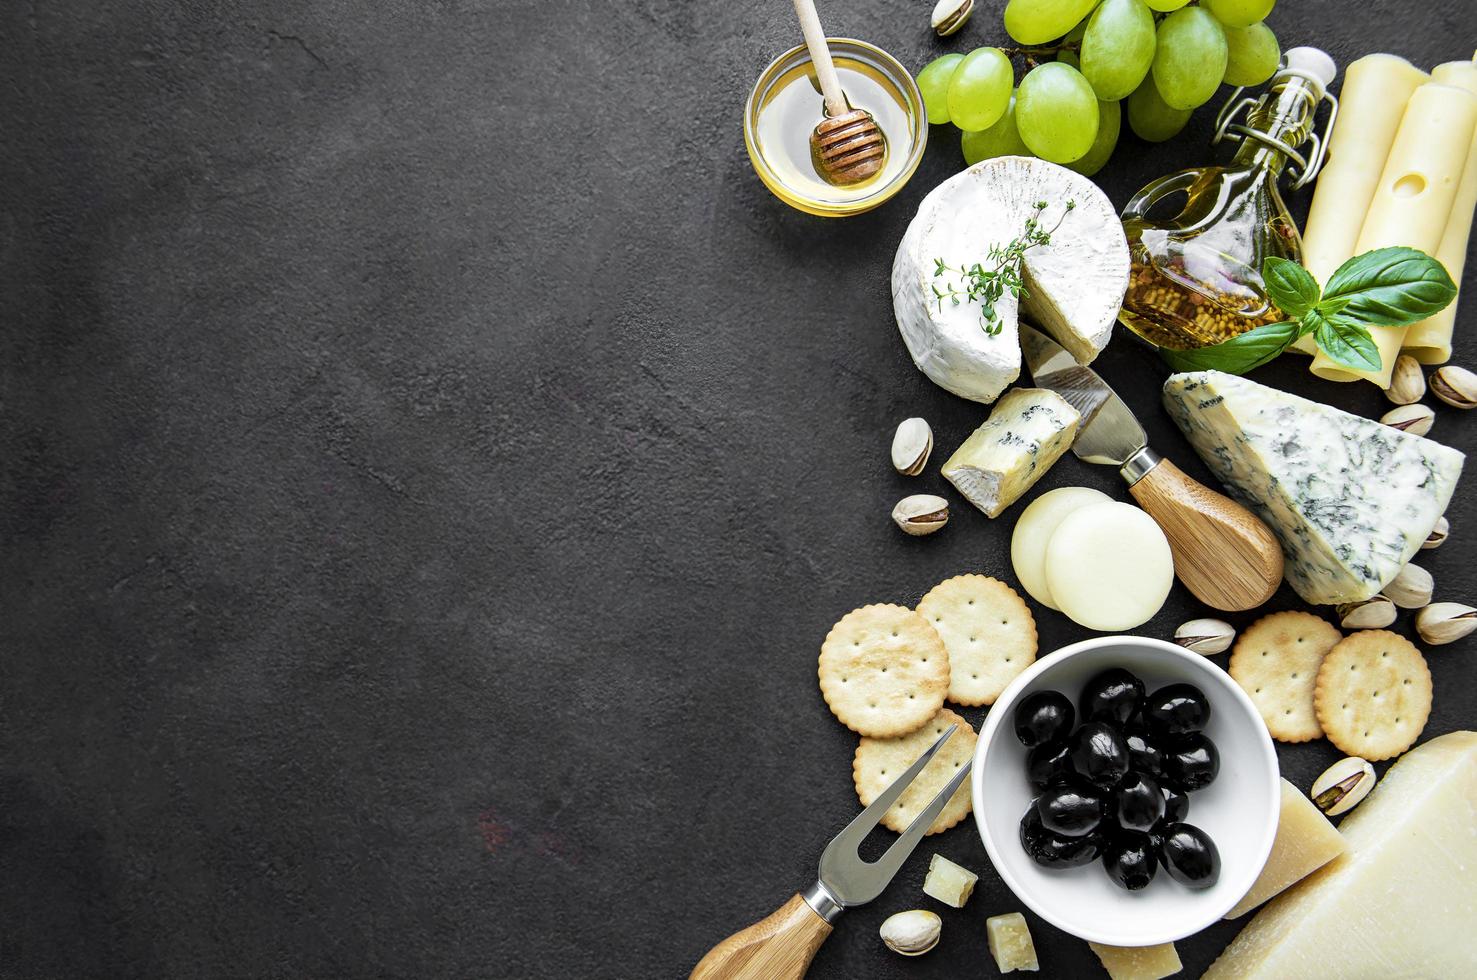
[{"x": 786, "y": 104}]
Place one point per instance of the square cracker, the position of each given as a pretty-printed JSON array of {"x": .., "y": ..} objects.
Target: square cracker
[
  {"x": 987, "y": 629},
  {"x": 1276, "y": 662},
  {"x": 879, "y": 761},
  {"x": 1373, "y": 695},
  {"x": 883, "y": 671}
]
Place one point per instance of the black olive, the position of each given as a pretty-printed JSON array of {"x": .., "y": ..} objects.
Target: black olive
[
  {"x": 1045, "y": 761},
  {"x": 1137, "y": 802},
  {"x": 1111, "y": 696},
  {"x": 1191, "y": 761},
  {"x": 1176, "y": 803},
  {"x": 1177, "y": 709},
  {"x": 1053, "y": 850},
  {"x": 1129, "y": 860},
  {"x": 1070, "y": 809},
  {"x": 1190, "y": 856},
  {"x": 1099, "y": 754},
  {"x": 1045, "y": 716},
  {"x": 1143, "y": 754}
]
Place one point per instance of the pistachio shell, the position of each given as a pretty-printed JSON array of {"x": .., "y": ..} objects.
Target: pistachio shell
[
  {"x": 1205, "y": 636},
  {"x": 1438, "y": 535},
  {"x": 912, "y": 444},
  {"x": 1343, "y": 785},
  {"x": 1445, "y": 622},
  {"x": 922, "y": 513},
  {"x": 1455, "y": 385},
  {"x": 1412, "y": 588},
  {"x": 950, "y": 15},
  {"x": 1415, "y": 419},
  {"x": 911, "y": 933},
  {"x": 1407, "y": 381},
  {"x": 1372, "y": 614}
]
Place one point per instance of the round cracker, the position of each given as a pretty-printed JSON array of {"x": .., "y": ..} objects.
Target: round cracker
[
  {"x": 883, "y": 671},
  {"x": 1276, "y": 662},
  {"x": 1373, "y": 694},
  {"x": 879, "y": 761},
  {"x": 987, "y": 629}
]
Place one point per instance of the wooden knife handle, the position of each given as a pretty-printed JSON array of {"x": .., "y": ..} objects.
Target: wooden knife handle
[
  {"x": 1222, "y": 551},
  {"x": 779, "y": 947}
]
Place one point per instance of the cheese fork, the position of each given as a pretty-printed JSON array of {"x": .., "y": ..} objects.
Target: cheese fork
[{"x": 782, "y": 945}]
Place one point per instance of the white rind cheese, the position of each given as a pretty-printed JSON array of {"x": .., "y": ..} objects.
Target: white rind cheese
[
  {"x": 1401, "y": 903},
  {"x": 1074, "y": 285},
  {"x": 1351, "y": 500},
  {"x": 1026, "y": 433}
]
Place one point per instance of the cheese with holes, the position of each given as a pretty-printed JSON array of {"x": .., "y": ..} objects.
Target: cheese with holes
[
  {"x": 1401, "y": 903},
  {"x": 1010, "y": 942},
  {"x": 948, "y": 882},
  {"x": 1305, "y": 842},
  {"x": 1351, "y": 500},
  {"x": 1139, "y": 962},
  {"x": 1028, "y": 430},
  {"x": 1074, "y": 284}
]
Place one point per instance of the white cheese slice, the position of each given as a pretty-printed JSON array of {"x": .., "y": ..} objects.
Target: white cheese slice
[
  {"x": 1025, "y": 434},
  {"x": 1401, "y": 903},
  {"x": 1034, "y": 528},
  {"x": 1074, "y": 284},
  {"x": 1351, "y": 500}
]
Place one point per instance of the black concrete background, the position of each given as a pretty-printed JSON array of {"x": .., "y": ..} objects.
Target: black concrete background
[{"x": 429, "y": 462}]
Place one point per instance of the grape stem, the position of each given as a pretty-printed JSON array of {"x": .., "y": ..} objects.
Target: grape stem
[{"x": 1050, "y": 49}]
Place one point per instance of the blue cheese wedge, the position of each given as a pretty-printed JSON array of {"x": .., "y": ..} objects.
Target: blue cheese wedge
[
  {"x": 1350, "y": 499},
  {"x": 1028, "y": 431}
]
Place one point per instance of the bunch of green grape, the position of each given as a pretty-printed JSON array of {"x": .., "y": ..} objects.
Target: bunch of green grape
[{"x": 1163, "y": 57}]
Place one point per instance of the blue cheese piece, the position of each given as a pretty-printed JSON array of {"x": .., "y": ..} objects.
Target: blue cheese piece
[
  {"x": 1028, "y": 431},
  {"x": 1350, "y": 499}
]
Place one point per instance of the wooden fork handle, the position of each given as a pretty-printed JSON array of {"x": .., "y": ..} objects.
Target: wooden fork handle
[
  {"x": 1223, "y": 552},
  {"x": 779, "y": 947}
]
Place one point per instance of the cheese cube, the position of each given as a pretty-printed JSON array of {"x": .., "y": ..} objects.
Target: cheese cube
[
  {"x": 1306, "y": 841},
  {"x": 1010, "y": 942},
  {"x": 1401, "y": 903},
  {"x": 1139, "y": 962},
  {"x": 1027, "y": 432},
  {"x": 948, "y": 882}
]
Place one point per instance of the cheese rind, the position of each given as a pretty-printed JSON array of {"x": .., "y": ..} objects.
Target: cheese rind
[
  {"x": 1401, "y": 903},
  {"x": 1139, "y": 962},
  {"x": 1028, "y": 430},
  {"x": 1010, "y": 942},
  {"x": 1305, "y": 842},
  {"x": 948, "y": 882},
  {"x": 1350, "y": 500}
]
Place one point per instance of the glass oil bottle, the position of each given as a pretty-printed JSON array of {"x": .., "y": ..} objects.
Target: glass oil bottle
[{"x": 1195, "y": 279}]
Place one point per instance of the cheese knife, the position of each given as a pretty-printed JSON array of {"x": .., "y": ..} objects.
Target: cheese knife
[{"x": 1223, "y": 553}]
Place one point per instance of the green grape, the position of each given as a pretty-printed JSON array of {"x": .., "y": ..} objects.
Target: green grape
[
  {"x": 1118, "y": 48},
  {"x": 980, "y": 90},
  {"x": 1150, "y": 117},
  {"x": 1189, "y": 58},
  {"x": 1056, "y": 112},
  {"x": 1039, "y": 21},
  {"x": 1239, "y": 13},
  {"x": 933, "y": 83},
  {"x": 1253, "y": 54},
  {"x": 1110, "y": 121},
  {"x": 1000, "y": 140},
  {"x": 1165, "y": 6}
]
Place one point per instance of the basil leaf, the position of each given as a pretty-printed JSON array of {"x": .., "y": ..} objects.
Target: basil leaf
[
  {"x": 1348, "y": 343},
  {"x": 1390, "y": 287},
  {"x": 1239, "y": 354},
  {"x": 1290, "y": 286}
]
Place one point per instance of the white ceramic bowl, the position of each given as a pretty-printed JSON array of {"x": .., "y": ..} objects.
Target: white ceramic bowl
[{"x": 1239, "y": 810}]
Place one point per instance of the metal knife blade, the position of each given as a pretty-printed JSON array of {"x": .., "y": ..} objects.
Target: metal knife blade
[{"x": 1108, "y": 432}]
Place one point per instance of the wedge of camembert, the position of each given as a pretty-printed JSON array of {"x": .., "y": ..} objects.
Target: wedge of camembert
[
  {"x": 1026, "y": 433},
  {"x": 1073, "y": 285},
  {"x": 1350, "y": 499}
]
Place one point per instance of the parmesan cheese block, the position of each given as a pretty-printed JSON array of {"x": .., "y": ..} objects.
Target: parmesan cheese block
[
  {"x": 948, "y": 882},
  {"x": 1010, "y": 943},
  {"x": 1305, "y": 842},
  {"x": 1026, "y": 433},
  {"x": 1401, "y": 903},
  {"x": 1074, "y": 284},
  {"x": 1139, "y": 962},
  {"x": 1430, "y": 340},
  {"x": 1350, "y": 500},
  {"x": 1413, "y": 200}
]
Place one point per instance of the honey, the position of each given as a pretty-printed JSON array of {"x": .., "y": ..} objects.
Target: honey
[{"x": 786, "y": 105}]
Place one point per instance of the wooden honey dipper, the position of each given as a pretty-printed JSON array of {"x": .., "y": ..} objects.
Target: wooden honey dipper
[{"x": 847, "y": 146}]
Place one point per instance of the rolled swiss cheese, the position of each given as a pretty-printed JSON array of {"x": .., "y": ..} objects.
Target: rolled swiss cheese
[{"x": 1413, "y": 199}]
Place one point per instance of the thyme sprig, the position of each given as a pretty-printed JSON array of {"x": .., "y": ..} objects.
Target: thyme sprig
[{"x": 987, "y": 286}]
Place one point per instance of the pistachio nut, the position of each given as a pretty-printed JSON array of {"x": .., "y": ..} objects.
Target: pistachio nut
[
  {"x": 1372, "y": 614},
  {"x": 1455, "y": 385},
  {"x": 1438, "y": 534},
  {"x": 950, "y": 15},
  {"x": 911, "y": 933},
  {"x": 1342, "y": 786},
  {"x": 1415, "y": 419},
  {"x": 922, "y": 513},
  {"x": 912, "y": 444},
  {"x": 1407, "y": 381},
  {"x": 1411, "y": 588},
  {"x": 1444, "y": 622},
  {"x": 1205, "y": 636}
]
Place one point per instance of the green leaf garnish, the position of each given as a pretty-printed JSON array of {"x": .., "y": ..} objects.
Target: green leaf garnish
[
  {"x": 1290, "y": 286},
  {"x": 1390, "y": 287},
  {"x": 1239, "y": 354},
  {"x": 987, "y": 286}
]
